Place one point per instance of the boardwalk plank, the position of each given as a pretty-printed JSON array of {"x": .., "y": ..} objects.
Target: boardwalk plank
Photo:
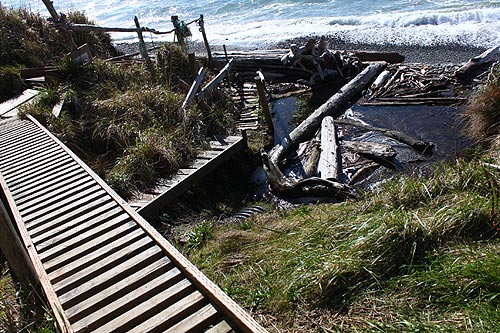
[{"x": 196, "y": 322}]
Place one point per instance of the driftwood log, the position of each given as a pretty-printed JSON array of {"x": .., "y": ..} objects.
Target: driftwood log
[
  {"x": 313, "y": 186},
  {"x": 329, "y": 160},
  {"x": 311, "y": 164},
  {"x": 420, "y": 146},
  {"x": 377, "y": 152},
  {"x": 333, "y": 107},
  {"x": 465, "y": 72},
  {"x": 369, "y": 56}
]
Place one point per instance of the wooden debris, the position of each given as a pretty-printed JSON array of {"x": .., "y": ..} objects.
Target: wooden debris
[
  {"x": 331, "y": 108},
  {"x": 465, "y": 72},
  {"x": 420, "y": 146},
  {"x": 329, "y": 163},
  {"x": 194, "y": 89},
  {"x": 56, "y": 110},
  {"x": 377, "y": 152},
  {"x": 218, "y": 79},
  {"x": 414, "y": 84},
  {"x": 363, "y": 173},
  {"x": 313, "y": 186},
  {"x": 314, "y": 150},
  {"x": 321, "y": 62}
]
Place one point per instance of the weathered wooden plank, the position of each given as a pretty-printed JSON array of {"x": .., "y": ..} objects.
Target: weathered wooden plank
[
  {"x": 25, "y": 155},
  {"x": 14, "y": 251},
  {"x": 49, "y": 187},
  {"x": 15, "y": 142},
  {"x": 194, "y": 89},
  {"x": 195, "y": 176},
  {"x": 141, "y": 312},
  {"x": 44, "y": 226},
  {"x": 91, "y": 246},
  {"x": 105, "y": 250},
  {"x": 222, "y": 327},
  {"x": 110, "y": 277},
  {"x": 171, "y": 314},
  {"x": 58, "y": 234},
  {"x": 56, "y": 110},
  {"x": 49, "y": 292},
  {"x": 83, "y": 238},
  {"x": 127, "y": 290},
  {"x": 329, "y": 162},
  {"x": 26, "y": 176},
  {"x": 15, "y": 102},
  {"x": 196, "y": 322},
  {"x": 64, "y": 205},
  {"x": 216, "y": 80},
  {"x": 51, "y": 198},
  {"x": 44, "y": 160},
  {"x": 42, "y": 180},
  {"x": 130, "y": 300},
  {"x": 105, "y": 264}
]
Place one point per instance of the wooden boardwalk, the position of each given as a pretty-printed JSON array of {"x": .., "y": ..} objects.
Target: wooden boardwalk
[
  {"x": 102, "y": 267},
  {"x": 167, "y": 190},
  {"x": 9, "y": 108},
  {"x": 246, "y": 102}
]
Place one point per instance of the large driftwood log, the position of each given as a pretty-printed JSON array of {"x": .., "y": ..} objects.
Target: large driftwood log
[
  {"x": 313, "y": 186},
  {"x": 333, "y": 107},
  {"x": 377, "y": 152},
  {"x": 389, "y": 57},
  {"x": 421, "y": 146},
  {"x": 311, "y": 164},
  {"x": 329, "y": 163},
  {"x": 464, "y": 72}
]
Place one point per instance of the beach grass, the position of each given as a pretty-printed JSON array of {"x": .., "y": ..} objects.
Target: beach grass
[{"x": 422, "y": 253}]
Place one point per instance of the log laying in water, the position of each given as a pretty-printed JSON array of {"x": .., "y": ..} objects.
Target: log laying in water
[
  {"x": 333, "y": 107},
  {"x": 313, "y": 186},
  {"x": 377, "y": 152},
  {"x": 420, "y": 146}
]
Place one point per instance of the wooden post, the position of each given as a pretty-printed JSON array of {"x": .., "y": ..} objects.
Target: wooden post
[
  {"x": 178, "y": 32},
  {"x": 57, "y": 19},
  {"x": 259, "y": 82},
  {"x": 193, "y": 64},
  {"x": 225, "y": 52},
  {"x": 143, "y": 50},
  {"x": 201, "y": 23}
]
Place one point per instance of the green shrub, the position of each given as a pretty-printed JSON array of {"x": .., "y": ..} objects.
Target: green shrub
[{"x": 11, "y": 83}]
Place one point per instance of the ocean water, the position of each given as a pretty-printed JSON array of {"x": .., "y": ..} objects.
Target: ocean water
[{"x": 257, "y": 22}]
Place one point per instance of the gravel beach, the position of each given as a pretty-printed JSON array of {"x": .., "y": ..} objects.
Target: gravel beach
[{"x": 436, "y": 54}]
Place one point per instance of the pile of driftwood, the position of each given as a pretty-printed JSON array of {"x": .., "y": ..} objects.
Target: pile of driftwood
[
  {"x": 322, "y": 63},
  {"x": 414, "y": 84},
  {"x": 316, "y": 144}
]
